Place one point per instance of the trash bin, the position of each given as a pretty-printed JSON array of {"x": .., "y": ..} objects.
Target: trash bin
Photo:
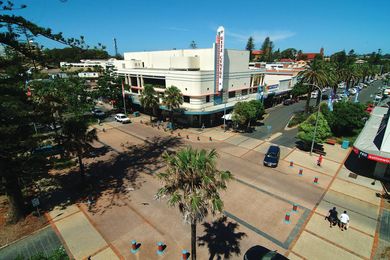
[{"x": 345, "y": 144}]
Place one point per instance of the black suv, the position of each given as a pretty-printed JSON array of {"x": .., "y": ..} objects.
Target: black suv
[{"x": 272, "y": 156}]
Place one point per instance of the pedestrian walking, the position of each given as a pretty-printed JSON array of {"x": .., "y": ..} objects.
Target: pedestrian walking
[
  {"x": 332, "y": 217},
  {"x": 344, "y": 221},
  {"x": 319, "y": 161},
  {"x": 90, "y": 201},
  {"x": 203, "y": 127}
]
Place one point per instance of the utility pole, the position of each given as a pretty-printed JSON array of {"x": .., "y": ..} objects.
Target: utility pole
[{"x": 116, "y": 48}]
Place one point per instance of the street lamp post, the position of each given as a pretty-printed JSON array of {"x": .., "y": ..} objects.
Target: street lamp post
[{"x": 318, "y": 112}]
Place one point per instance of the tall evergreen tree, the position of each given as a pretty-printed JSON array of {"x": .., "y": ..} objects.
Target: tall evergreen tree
[
  {"x": 250, "y": 46},
  {"x": 267, "y": 48}
]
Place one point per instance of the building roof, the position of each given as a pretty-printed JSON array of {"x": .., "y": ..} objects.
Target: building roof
[
  {"x": 311, "y": 55},
  {"x": 374, "y": 139},
  {"x": 286, "y": 60},
  {"x": 257, "y": 52}
]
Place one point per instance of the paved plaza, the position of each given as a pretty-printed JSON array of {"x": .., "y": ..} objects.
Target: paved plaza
[{"x": 256, "y": 202}]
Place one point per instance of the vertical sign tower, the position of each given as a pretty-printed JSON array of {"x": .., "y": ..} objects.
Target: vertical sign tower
[{"x": 219, "y": 63}]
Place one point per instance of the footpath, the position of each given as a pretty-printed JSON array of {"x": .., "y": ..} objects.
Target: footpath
[{"x": 314, "y": 240}]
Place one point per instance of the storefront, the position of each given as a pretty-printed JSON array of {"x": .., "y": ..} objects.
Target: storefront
[{"x": 373, "y": 143}]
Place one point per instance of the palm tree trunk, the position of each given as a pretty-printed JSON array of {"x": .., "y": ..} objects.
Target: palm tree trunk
[
  {"x": 307, "y": 101},
  {"x": 15, "y": 198},
  {"x": 193, "y": 240},
  {"x": 171, "y": 116},
  {"x": 319, "y": 93}
]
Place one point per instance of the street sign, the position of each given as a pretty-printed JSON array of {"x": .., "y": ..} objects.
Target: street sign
[{"x": 35, "y": 202}]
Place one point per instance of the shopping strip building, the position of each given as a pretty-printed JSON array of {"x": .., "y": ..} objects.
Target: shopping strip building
[{"x": 195, "y": 72}]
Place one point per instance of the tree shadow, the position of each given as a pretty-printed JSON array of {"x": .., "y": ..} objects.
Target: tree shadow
[
  {"x": 221, "y": 239},
  {"x": 112, "y": 177}
]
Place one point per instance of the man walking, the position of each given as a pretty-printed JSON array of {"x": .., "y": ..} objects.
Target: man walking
[
  {"x": 332, "y": 217},
  {"x": 344, "y": 221}
]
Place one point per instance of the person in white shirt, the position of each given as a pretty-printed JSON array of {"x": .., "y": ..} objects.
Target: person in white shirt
[{"x": 344, "y": 221}]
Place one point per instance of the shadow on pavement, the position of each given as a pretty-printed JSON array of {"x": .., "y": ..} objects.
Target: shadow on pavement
[
  {"x": 112, "y": 177},
  {"x": 221, "y": 239}
]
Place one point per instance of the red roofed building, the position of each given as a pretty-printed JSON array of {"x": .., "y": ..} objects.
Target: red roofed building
[
  {"x": 286, "y": 60},
  {"x": 256, "y": 54}
]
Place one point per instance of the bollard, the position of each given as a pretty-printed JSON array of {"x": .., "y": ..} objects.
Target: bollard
[
  {"x": 300, "y": 172},
  {"x": 160, "y": 248},
  {"x": 184, "y": 254},
  {"x": 287, "y": 218},
  {"x": 134, "y": 248},
  {"x": 210, "y": 139},
  {"x": 295, "y": 207},
  {"x": 198, "y": 138},
  {"x": 315, "y": 180},
  {"x": 188, "y": 137}
]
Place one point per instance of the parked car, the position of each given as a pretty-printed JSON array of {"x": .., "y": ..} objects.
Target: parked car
[
  {"x": 378, "y": 97},
  {"x": 97, "y": 112},
  {"x": 289, "y": 101},
  {"x": 352, "y": 91},
  {"x": 272, "y": 156},
  {"x": 314, "y": 94},
  {"x": 122, "y": 118}
]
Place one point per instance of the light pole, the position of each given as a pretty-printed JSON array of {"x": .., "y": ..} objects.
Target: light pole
[{"x": 318, "y": 112}]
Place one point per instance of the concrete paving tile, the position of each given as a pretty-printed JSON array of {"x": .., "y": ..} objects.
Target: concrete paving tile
[
  {"x": 58, "y": 212},
  {"x": 284, "y": 151},
  {"x": 307, "y": 176},
  {"x": 357, "y": 220},
  {"x": 234, "y": 150},
  {"x": 80, "y": 236},
  {"x": 218, "y": 135},
  {"x": 350, "y": 239},
  {"x": 356, "y": 191},
  {"x": 292, "y": 256},
  {"x": 361, "y": 180},
  {"x": 251, "y": 143},
  {"x": 304, "y": 159},
  {"x": 263, "y": 148},
  {"x": 335, "y": 152},
  {"x": 237, "y": 139},
  {"x": 260, "y": 210},
  {"x": 105, "y": 254},
  {"x": 352, "y": 204},
  {"x": 312, "y": 247}
]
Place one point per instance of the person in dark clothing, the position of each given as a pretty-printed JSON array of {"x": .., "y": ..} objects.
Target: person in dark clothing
[{"x": 332, "y": 217}]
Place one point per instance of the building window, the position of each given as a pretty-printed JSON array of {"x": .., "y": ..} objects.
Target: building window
[
  {"x": 208, "y": 99},
  {"x": 186, "y": 99},
  {"x": 232, "y": 94},
  {"x": 244, "y": 92}
]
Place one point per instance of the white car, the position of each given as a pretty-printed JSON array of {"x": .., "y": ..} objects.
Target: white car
[
  {"x": 122, "y": 118},
  {"x": 352, "y": 91},
  {"x": 314, "y": 94}
]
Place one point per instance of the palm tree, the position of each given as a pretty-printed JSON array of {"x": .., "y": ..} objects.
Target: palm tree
[
  {"x": 77, "y": 138},
  {"x": 172, "y": 99},
  {"x": 192, "y": 182},
  {"x": 149, "y": 99},
  {"x": 314, "y": 74}
]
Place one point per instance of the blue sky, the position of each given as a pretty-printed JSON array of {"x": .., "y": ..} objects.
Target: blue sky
[{"x": 165, "y": 24}]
